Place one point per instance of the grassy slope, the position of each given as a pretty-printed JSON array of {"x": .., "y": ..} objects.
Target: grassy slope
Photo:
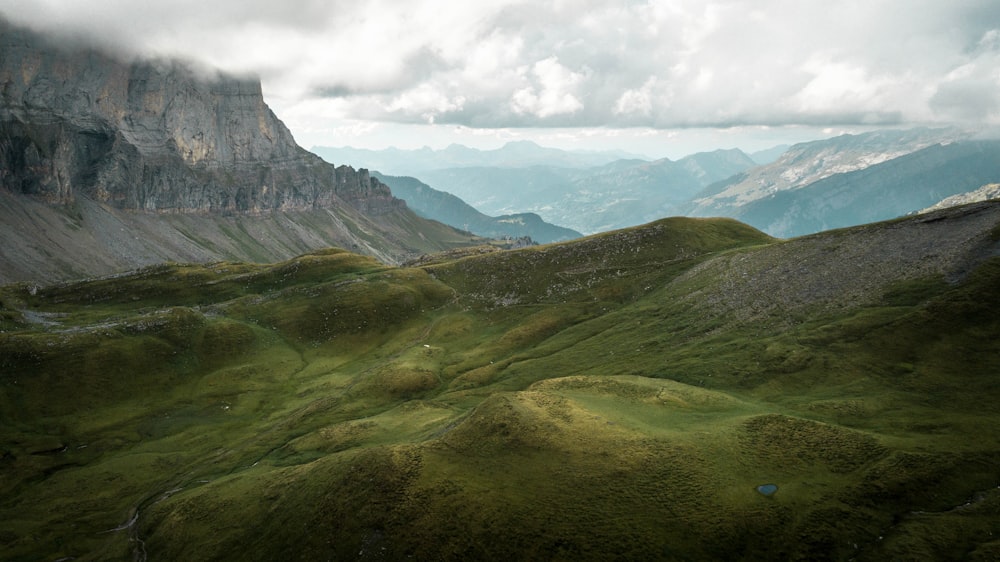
[{"x": 584, "y": 400}]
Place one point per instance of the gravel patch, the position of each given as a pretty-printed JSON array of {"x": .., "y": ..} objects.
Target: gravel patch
[{"x": 844, "y": 269}]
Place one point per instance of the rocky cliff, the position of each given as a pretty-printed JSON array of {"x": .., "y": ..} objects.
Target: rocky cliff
[
  {"x": 156, "y": 136},
  {"x": 106, "y": 164}
]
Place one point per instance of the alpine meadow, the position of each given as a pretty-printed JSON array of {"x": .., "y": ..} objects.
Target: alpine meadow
[{"x": 619, "y": 396}]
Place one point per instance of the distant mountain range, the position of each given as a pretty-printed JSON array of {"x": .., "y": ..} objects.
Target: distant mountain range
[
  {"x": 588, "y": 199},
  {"x": 449, "y": 209},
  {"x": 516, "y": 154},
  {"x": 852, "y": 179},
  {"x": 769, "y": 155},
  {"x": 595, "y": 199},
  {"x": 787, "y": 191},
  {"x": 882, "y": 191}
]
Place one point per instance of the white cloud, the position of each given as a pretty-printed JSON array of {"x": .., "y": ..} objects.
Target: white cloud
[
  {"x": 841, "y": 85},
  {"x": 637, "y": 101},
  {"x": 426, "y": 101},
  {"x": 554, "y": 93},
  {"x": 582, "y": 63}
]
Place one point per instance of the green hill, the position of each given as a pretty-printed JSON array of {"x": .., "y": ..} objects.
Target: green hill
[{"x": 622, "y": 396}]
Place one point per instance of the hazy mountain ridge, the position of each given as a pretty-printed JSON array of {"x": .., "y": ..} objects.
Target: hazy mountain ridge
[
  {"x": 160, "y": 137},
  {"x": 449, "y": 209},
  {"x": 625, "y": 394},
  {"x": 807, "y": 163},
  {"x": 889, "y": 189},
  {"x": 832, "y": 183},
  {"x": 618, "y": 194},
  {"x": 769, "y": 155},
  {"x": 515, "y": 154}
]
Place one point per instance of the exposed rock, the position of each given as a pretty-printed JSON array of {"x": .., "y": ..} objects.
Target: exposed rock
[
  {"x": 156, "y": 136},
  {"x": 843, "y": 269},
  {"x": 984, "y": 193},
  {"x": 164, "y": 138},
  {"x": 809, "y": 162},
  {"x": 883, "y": 191}
]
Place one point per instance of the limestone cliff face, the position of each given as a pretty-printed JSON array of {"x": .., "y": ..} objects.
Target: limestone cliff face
[{"x": 155, "y": 136}]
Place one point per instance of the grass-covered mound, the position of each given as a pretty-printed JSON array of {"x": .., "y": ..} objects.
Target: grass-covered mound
[{"x": 618, "y": 397}]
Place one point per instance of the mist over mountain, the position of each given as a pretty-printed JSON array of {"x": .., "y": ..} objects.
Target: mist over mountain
[
  {"x": 894, "y": 188},
  {"x": 106, "y": 144},
  {"x": 449, "y": 209},
  {"x": 809, "y": 162},
  {"x": 621, "y": 193},
  {"x": 806, "y": 188},
  {"x": 767, "y": 156},
  {"x": 515, "y": 154},
  {"x": 853, "y": 179}
]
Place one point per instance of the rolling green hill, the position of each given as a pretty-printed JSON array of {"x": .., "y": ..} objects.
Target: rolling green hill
[{"x": 622, "y": 396}]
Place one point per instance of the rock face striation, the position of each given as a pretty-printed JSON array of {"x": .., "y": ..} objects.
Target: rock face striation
[
  {"x": 155, "y": 136},
  {"x": 160, "y": 138}
]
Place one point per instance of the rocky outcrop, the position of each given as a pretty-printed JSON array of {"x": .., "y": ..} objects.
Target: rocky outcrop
[
  {"x": 157, "y": 136},
  {"x": 984, "y": 193},
  {"x": 109, "y": 164}
]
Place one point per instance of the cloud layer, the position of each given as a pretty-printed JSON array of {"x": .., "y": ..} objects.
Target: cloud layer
[{"x": 581, "y": 63}]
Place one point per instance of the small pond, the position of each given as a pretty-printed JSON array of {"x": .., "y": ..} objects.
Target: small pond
[{"x": 767, "y": 489}]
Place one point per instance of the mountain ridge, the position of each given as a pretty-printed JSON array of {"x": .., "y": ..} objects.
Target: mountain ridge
[
  {"x": 159, "y": 138},
  {"x": 412, "y": 162},
  {"x": 809, "y": 187},
  {"x": 616, "y": 195},
  {"x": 449, "y": 209},
  {"x": 82, "y": 122},
  {"x": 808, "y": 162},
  {"x": 889, "y": 189}
]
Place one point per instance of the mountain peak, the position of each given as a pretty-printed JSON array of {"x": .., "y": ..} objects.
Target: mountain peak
[
  {"x": 84, "y": 131},
  {"x": 145, "y": 135}
]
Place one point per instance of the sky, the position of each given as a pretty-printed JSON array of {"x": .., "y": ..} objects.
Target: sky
[{"x": 659, "y": 78}]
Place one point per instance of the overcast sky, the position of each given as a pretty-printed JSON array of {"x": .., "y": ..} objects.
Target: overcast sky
[{"x": 664, "y": 78}]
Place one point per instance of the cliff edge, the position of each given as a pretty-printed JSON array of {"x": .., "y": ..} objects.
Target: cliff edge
[{"x": 79, "y": 127}]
